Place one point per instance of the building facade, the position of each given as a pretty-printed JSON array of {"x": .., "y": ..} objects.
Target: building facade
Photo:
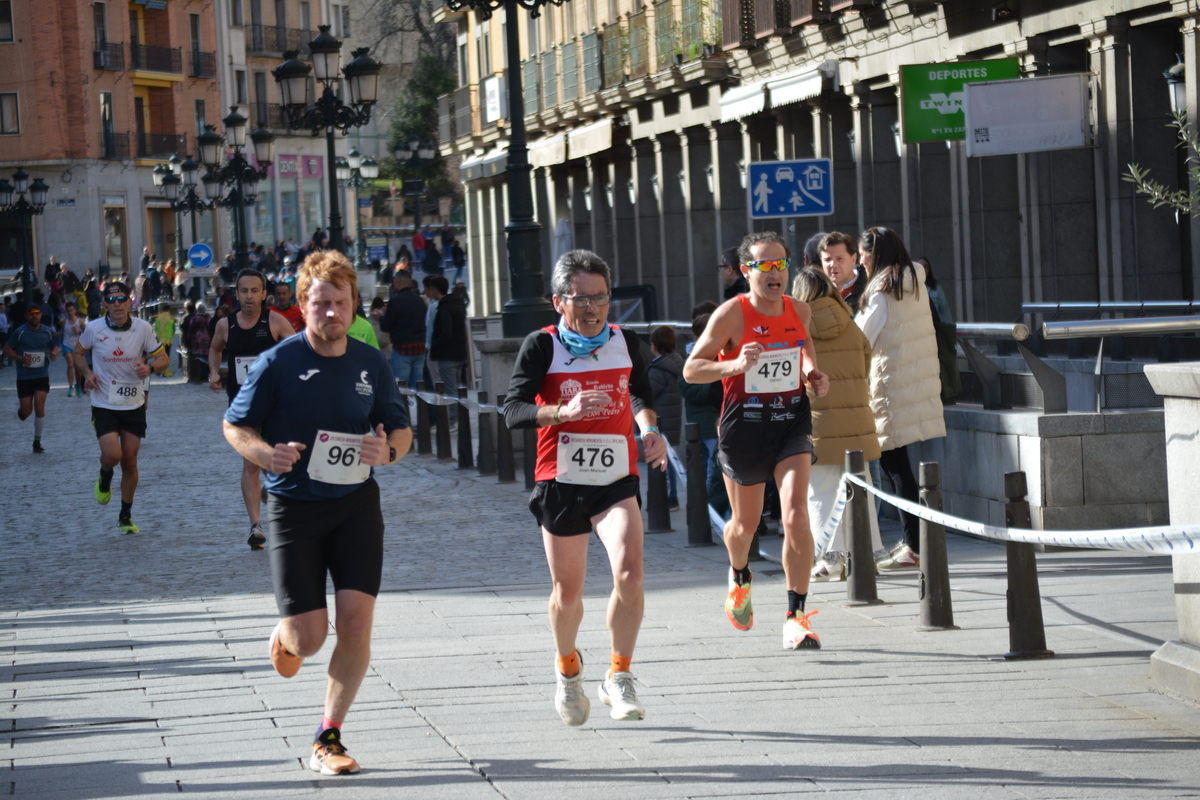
[
  {"x": 644, "y": 117},
  {"x": 94, "y": 95}
]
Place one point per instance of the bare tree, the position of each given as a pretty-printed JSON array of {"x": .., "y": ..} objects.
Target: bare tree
[{"x": 400, "y": 30}]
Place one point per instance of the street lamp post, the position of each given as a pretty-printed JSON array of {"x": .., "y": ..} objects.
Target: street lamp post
[
  {"x": 415, "y": 153},
  {"x": 355, "y": 172},
  {"x": 185, "y": 174},
  {"x": 527, "y": 310},
  {"x": 237, "y": 173},
  {"x": 329, "y": 113},
  {"x": 13, "y": 202}
]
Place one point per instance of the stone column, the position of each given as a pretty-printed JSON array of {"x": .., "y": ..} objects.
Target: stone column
[
  {"x": 1176, "y": 665},
  {"x": 860, "y": 111}
]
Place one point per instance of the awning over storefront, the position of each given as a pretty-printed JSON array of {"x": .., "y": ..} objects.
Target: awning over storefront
[
  {"x": 743, "y": 101},
  {"x": 800, "y": 84},
  {"x": 487, "y": 165},
  {"x": 589, "y": 139},
  {"x": 549, "y": 151}
]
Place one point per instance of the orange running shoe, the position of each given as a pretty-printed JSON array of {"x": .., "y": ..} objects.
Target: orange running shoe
[
  {"x": 737, "y": 604},
  {"x": 284, "y": 662},
  {"x": 797, "y": 634},
  {"x": 329, "y": 755}
]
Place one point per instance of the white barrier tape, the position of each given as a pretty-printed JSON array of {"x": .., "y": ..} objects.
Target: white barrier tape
[
  {"x": 437, "y": 399},
  {"x": 448, "y": 400},
  {"x": 1160, "y": 539}
]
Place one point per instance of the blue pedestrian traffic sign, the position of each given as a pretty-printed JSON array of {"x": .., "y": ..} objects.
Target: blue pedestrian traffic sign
[
  {"x": 200, "y": 255},
  {"x": 802, "y": 188}
]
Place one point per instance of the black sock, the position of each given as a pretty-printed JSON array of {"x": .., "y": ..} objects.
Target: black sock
[
  {"x": 106, "y": 476},
  {"x": 742, "y": 576},
  {"x": 126, "y": 509},
  {"x": 796, "y": 603}
]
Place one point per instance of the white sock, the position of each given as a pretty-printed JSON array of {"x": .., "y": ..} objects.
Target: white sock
[{"x": 39, "y": 424}]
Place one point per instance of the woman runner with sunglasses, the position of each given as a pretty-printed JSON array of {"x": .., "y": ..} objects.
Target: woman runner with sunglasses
[
  {"x": 125, "y": 352},
  {"x": 757, "y": 345}
]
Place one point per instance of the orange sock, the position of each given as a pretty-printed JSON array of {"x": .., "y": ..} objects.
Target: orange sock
[
  {"x": 569, "y": 666},
  {"x": 619, "y": 664}
]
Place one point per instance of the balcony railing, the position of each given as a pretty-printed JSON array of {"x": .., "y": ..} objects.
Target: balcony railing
[
  {"x": 570, "y": 72},
  {"x": 593, "y": 66},
  {"x": 531, "y": 81},
  {"x": 114, "y": 146},
  {"x": 463, "y": 112},
  {"x": 156, "y": 59},
  {"x": 204, "y": 65},
  {"x": 276, "y": 39},
  {"x": 639, "y": 45},
  {"x": 271, "y": 116},
  {"x": 614, "y": 62},
  {"x": 691, "y": 31},
  {"x": 109, "y": 55},
  {"x": 160, "y": 144},
  {"x": 550, "y": 78},
  {"x": 445, "y": 113},
  {"x": 664, "y": 35}
]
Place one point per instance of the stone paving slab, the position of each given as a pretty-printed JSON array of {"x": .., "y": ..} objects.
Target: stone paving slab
[{"x": 135, "y": 666}]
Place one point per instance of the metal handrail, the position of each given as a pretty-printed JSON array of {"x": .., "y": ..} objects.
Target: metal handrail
[
  {"x": 1142, "y": 326},
  {"x": 992, "y": 330},
  {"x": 1110, "y": 307}
]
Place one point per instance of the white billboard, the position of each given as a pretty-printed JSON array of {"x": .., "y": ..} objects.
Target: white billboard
[{"x": 1027, "y": 115}]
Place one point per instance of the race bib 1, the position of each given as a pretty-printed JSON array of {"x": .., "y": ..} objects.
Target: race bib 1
[
  {"x": 38, "y": 358},
  {"x": 125, "y": 394},
  {"x": 241, "y": 366},
  {"x": 335, "y": 459},
  {"x": 776, "y": 372},
  {"x": 592, "y": 459}
]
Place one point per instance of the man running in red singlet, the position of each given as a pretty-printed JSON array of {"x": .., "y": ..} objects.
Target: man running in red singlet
[{"x": 757, "y": 345}]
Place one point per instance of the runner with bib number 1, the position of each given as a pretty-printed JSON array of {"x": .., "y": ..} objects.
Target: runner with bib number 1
[
  {"x": 319, "y": 411},
  {"x": 757, "y": 345},
  {"x": 125, "y": 352},
  {"x": 582, "y": 383}
]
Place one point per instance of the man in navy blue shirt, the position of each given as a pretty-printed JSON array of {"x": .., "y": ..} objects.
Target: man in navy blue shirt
[
  {"x": 318, "y": 412},
  {"x": 32, "y": 348}
]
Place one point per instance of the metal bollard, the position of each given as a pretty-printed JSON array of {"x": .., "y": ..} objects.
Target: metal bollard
[
  {"x": 1026, "y": 632},
  {"x": 466, "y": 459},
  {"x": 424, "y": 443},
  {"x": 933, "y": 579},
  {"x": 699, "y": 527},
  {"x": 487, "y": 445},
  {"x": 529, "y": 457},
  {"x": 658, "y": 517},
  {"x": 860, "y": 567},
  {"x": 506, "y": 471},
  {"x": 443, "y": 426}
]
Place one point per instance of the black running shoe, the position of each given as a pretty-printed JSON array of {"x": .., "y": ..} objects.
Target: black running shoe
[{"x": 37, "y": 446}]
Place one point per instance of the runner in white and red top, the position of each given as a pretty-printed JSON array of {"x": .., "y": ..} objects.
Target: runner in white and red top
[
  {"x": 125, "y": 352},
  {"x": 583, "y": 383}
]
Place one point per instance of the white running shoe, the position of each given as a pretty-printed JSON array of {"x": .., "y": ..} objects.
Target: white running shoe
[
  {"x": 570, "y": 700},
  {"x": 619, "y": 693},
  {"x": 831, "y": 567}
]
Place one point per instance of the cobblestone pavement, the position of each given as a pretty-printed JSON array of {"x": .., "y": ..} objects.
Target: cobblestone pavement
[{"x": 136, "y": 665}]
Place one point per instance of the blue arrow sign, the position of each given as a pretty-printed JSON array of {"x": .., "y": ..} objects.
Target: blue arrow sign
[
  {"x": 802, "y": 188},
  {"x": 200, "y": 255}
]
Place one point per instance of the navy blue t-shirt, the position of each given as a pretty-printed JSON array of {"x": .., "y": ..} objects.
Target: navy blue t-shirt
[
  {"x": 26, "y": 340},
  {"x": 291, "y": 393}
]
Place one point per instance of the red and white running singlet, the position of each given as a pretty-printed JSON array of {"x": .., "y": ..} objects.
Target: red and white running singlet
[
  {"x": 763, "y": 405},
  {"x": 599, "y": 449}
]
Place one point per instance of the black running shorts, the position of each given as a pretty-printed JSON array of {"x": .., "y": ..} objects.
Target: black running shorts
[
  {"x": 747, "y": 468},
  {"x": 566, "y": 509},
  {"x": 307, "y": 539},
  {"x": 132, "y": 421},
  {"x": 27, "y": 386}
]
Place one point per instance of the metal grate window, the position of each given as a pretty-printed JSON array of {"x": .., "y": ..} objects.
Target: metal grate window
[
  {"x": 531, "y": 78},
  {"x": 570, "y": 72},
  {"x": 664, "y": 35},
  {"x": 550, "y": 78},
  {"x": 691, "y": 30},
  {"x": 614, "y": 61},
  {"x": 639, "y": 45},
  {"x": 593, "y": 68}
]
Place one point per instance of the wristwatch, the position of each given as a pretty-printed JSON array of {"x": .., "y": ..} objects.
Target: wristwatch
[{"x": 391, "y": 454}]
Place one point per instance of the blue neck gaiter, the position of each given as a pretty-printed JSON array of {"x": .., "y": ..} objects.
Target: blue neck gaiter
[{"x": 581, "y": 346}]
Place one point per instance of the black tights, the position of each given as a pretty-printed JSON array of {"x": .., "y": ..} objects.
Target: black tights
[{"x": 894, "y": 464}]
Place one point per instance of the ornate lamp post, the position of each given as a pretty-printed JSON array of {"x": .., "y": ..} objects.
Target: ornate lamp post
[
  {"x": 355, "y": 172},
  {"x": 329, "y": 113},
  {"x": 415, "y": 153},
  {"x": 527, "y": 310},
  {"x": 237, "y": 173},
  {"x": 12, "y": 201}
]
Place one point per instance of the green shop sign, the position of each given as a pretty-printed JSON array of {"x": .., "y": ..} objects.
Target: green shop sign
[{"x": 931, "y": 95}]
